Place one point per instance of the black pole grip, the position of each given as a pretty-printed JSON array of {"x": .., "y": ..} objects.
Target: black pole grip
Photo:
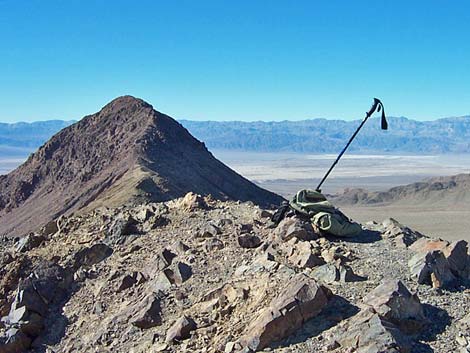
[{"x": 374, "y": 107}]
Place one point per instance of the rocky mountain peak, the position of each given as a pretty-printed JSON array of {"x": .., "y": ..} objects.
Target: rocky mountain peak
[
  {"x": 127, "y": 152},
  {"x": 125, "y": 102}
]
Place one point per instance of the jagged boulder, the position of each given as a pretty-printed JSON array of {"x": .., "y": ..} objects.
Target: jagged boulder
[
  {"x": 302, "y": 255},
  {"x": 50, "y": 228},
  {"x": 394, "y": 302},
  {"x": 175, "y": 274},
  {"x": 12, "y": 269},
  {"x": 92, "y": 255},
  {"x": 165, "y": 258},
  {"x": 398, "y": 234},
  {"x": 161, "y": 282},
  {"x": 291, "y": 227},
  {"x": 390, "y": 313},
  {"x": 143, "y": 213},
  {"x": 222, "y": 299},
  {"x": 336, "y": 254},
  {"x": 29, "y": 242},
  {"x": 330, "y": 273},
  {"x": 146, "y": 312},
  {"x": 31, "y": 323},
  {"x": 178, "y": 272},
  {"x": 368, "y": 332},
  {"x": 30, "y": 306},
  {"x": 181, "y": 329},
  {"x": 300, "y": 300},
  {"x": 121, "y": 228},
  {"x": 458, "y": 258},
  {"x": 432, "y": 268},
  {"x": 456, "y": 254},
  {"x": 28, "y": 298},
  {"x": 130, "y": 280}
]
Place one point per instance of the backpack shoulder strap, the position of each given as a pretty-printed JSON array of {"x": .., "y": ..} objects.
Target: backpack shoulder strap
[{"x": 280, "y": 213}]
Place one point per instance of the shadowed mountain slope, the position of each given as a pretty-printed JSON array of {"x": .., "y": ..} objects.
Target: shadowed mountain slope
[{"x": 127, "y": 152}]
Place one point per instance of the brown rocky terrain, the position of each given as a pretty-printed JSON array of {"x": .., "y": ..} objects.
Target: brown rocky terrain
[
  {"x": 448, "y": 190},
  {"x": 127, "y": 152},
  {"x": 199, "y": 275},
  {"x": 139, "y": 240}
]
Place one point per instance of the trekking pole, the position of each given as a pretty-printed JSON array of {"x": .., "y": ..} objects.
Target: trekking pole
[{"x": 376, "y": 106}]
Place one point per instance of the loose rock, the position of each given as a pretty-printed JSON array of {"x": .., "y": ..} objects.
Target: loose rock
[
  {"x": 394, "y": 302},
  {"x": 121, "y": 228},
  {"x": 129, "y": 281},
  {"x": 399, "y": 234},
  {"x": 29, "y": 242},
  {"x": 302, "y": 254},
  {"x": 92, "y": 255},
  {"x": 293, "y": 227},
  {"x": 299, "y": 301},
  {"x": 209, "y": 230},
  {"x": 213, "y": 244},
  {"x": 192, "y": 201},
  {"x": 371, "y": 333},
  {"x": 146, "y": 312},
  {"x": 330, "y": 273},
  {"x": 432, "y": 268},
  {"x": 249, "y": 241},
  {"x": 180, "y": 330}
]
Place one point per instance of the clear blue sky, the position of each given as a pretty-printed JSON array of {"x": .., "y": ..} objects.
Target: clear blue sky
[{"x": 235, "y": 60}]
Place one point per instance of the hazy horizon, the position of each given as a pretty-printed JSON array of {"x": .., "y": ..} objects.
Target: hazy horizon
[{"x": 246, "y": 120}]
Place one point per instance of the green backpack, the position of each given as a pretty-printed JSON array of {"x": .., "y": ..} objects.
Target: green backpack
[{"x": 323, "y": 214}]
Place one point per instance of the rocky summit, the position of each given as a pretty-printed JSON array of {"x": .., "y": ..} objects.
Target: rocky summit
[
  {"x": 197, "y": 274},
  {"x": 124, "y": 234},
  {"x": 127, "y": 152}
]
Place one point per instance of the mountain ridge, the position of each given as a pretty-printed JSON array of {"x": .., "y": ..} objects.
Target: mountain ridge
[
  {"x": 446, "y": 135},
  {"x": 446, "y": 190}
]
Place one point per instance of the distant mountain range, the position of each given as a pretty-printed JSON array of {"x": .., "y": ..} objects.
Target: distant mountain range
[
  {"x": 22, "y": 138},
  {"x": 448, "y": 135}
]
